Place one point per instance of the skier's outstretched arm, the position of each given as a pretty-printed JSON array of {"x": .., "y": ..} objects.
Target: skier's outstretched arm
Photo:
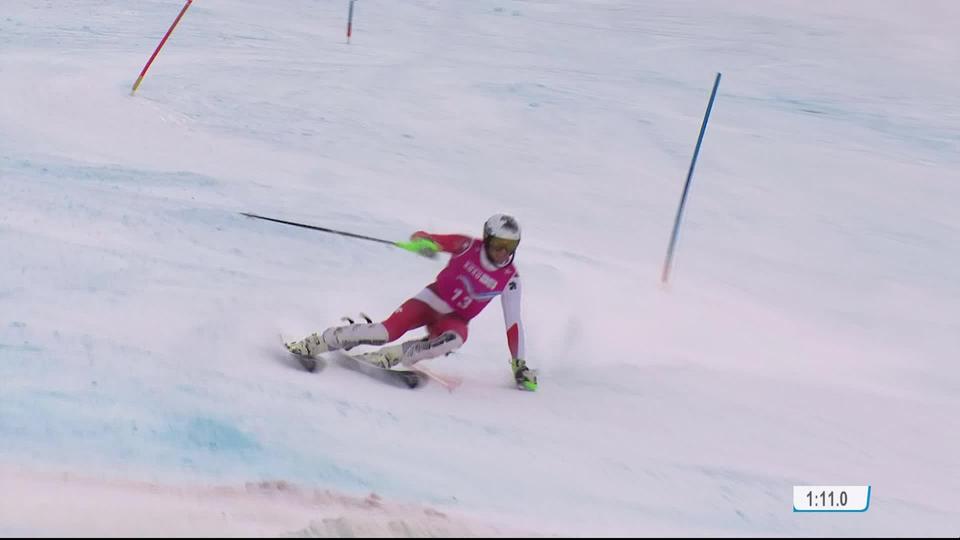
[
  {"x": 526, "y": 378},
  {"x": 449, "y": 243}
]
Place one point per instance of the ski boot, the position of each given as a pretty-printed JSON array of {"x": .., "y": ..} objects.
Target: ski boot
[
  {"x": 308, "y": 347},
  {"x": 385, "y": 357}
]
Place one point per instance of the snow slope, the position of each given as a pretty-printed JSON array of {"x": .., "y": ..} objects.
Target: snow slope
[{"x": 809, "y": 334}]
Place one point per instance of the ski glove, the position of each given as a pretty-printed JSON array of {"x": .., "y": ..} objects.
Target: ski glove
[
  {"x": 421, "y": 246},
  {"x": 526, "y": 378}
]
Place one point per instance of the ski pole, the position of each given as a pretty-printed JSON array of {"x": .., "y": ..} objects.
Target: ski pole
[{"x": 422, "y": 246}]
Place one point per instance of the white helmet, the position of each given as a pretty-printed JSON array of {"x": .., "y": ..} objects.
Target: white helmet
[
  {"x": 501, "y": 232},
  {"x": 501, "y": 226}
]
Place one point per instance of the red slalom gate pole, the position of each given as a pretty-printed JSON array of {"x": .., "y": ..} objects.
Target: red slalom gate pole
[
  {"x": 160, "y": 46},
  {"x": 350, "y": 21}
]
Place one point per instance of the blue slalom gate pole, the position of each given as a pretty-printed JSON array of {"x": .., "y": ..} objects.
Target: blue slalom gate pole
[{"x": 686, "y": 188}]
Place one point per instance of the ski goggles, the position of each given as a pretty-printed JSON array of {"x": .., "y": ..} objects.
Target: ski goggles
[{"x": 496, "y": 244}]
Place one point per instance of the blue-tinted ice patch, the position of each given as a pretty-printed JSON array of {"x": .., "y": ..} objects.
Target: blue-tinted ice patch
[
  {"x": 204, "y": 433},
  {"x": 110, "y": 421}
]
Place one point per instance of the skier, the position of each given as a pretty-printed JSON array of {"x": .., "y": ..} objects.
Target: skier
[{"x": 478, "y": 271}]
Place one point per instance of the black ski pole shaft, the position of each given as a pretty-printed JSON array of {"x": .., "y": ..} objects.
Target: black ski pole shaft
[{"x": 316, "y": 228}]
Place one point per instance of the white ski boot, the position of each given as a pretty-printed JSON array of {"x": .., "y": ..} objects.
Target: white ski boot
[{"x": 385, "y": 358}]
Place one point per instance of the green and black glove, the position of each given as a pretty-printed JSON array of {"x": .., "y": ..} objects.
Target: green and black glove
[
  {"x": 526, "y": 378},
  {"x": 421, "y": 246}
]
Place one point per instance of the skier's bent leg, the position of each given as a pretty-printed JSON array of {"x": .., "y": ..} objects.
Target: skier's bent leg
[
  {"x": 449, "y": 323},
  {"x": 413, "y": 351},
  {"x": 340, "y": 337},
  {"x": 348, "y": 337},
  {"x": 412, "y": 314}
]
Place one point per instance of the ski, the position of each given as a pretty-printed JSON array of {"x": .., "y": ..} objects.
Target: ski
[
  {"x": 396, "y": 377},
  {"x": 309, "y": 364}
]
